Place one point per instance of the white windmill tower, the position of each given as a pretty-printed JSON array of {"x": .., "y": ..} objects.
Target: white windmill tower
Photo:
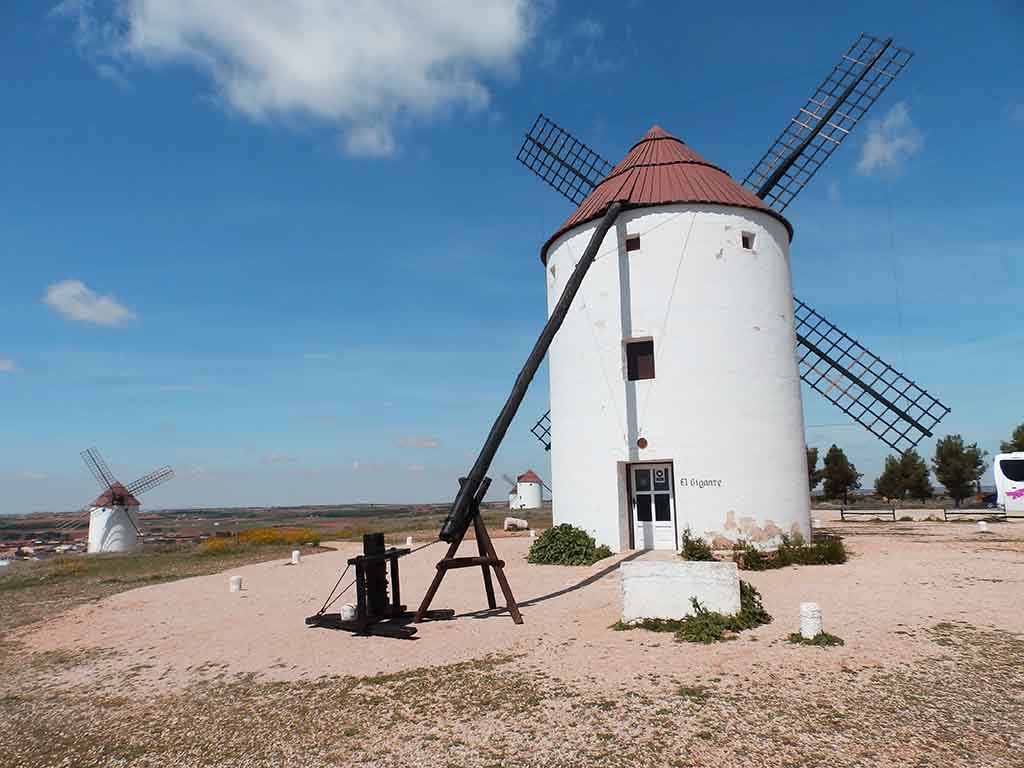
[
  {"x": 675, "y": 376},
  {"x": 525, "y": 491},
  {"x": 675, "y": 380},
  {"x": 113, "y": 525}
]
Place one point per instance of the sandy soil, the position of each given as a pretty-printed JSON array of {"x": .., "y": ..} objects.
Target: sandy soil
[{"x": 901, "y": 577}]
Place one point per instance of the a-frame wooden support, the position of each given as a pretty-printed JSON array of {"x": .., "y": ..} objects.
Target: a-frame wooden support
[{"x": 487, "y": 560}]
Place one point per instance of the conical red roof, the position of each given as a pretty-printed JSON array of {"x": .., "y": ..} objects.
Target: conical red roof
[
  {"x": 529, "y": 476},
  {"x": 660, "y": 170},
  {"x": 116, "y": 496}
]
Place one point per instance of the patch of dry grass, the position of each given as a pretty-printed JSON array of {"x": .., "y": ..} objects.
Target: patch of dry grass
[
  {"x": 960, "y": 707},
  {"x": 260, "y": 537}
]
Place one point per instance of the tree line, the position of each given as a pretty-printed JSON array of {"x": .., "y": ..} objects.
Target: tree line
[{"x": 956, "y": 464}]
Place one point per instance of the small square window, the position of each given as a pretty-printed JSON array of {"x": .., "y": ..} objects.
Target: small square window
[
  {"x": 748, "y": 240},
  {"x": 632, "y": 243},
  {"x": 640, "y": 360}
]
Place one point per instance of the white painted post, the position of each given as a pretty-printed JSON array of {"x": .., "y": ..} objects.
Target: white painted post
[
  {"x": 235, "y": 584},
  {"x": 982, "y": 526},
  {"x": 533, "y": 534},
  {"x": 296, "y": 556},
  {"x": 810, "y": 620},
  {"x": 408, "y": 541},
  {"x": 348, "y": 612}
]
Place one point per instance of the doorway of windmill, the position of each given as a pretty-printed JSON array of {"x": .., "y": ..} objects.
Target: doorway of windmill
[{"x": 652, "y": 506}]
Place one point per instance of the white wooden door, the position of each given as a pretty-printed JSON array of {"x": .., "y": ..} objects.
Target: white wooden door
[{"x": 654, "y": 509}]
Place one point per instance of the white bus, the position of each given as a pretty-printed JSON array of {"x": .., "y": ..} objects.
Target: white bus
[{"x": 1008, "y": 469}]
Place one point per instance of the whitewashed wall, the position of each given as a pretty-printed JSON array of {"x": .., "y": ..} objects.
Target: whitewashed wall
[
  {"x": 111, "y": 530},
  {"x": 528, "y": 496},
  {"x": 724, "y": 406}
]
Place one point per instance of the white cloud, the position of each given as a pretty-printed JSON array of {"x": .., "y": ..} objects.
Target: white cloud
[
  {"x": 588, "y": 28},
  {"x": 7, "y": 365},
  {"x": 363, "y": 65},
  {"x": 581, "y": 48},
  {"x": 74, "y": 299},
  {"x": 32, "y": 476},
  {"x": 890, "y": 141},
  {"x": 417, "y": 441},
  {"x": 835, "y": 193},
  {"x": 1017, "y": 113},
  {"x": 277, "y": 458},
  {"x": 369, "y": 466}
]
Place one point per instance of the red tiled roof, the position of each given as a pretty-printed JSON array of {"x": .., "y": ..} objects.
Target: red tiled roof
[
  {"x": 529, "y": 476},
  {"x": 660, "y": 170},
  {"x": 116, "y": 496}
]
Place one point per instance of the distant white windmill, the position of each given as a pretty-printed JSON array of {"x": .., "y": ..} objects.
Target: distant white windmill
[
  {"x": 525, "y": 492},
  {"x": 112, "y": 516}
]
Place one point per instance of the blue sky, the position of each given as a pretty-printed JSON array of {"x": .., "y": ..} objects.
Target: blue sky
[{"x": 290, "y": 251}]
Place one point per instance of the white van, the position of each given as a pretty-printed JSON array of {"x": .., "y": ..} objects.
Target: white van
[{"x": 1008, "y": 469}]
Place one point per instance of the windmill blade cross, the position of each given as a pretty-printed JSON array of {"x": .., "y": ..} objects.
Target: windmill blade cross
[
  {"x": 99, "y": 467},
  {"x": 542, "y": 430},
  {"x": 150, "y": 481},
  {"x": 72, "y": 523},
  {"x": 830, "y": 114},
  {"x": 862, "y": 385},
  {"x": 561, "y": 160}
]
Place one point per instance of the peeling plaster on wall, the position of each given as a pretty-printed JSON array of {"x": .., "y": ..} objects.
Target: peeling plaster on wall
[{"x": 765, "y": 536}]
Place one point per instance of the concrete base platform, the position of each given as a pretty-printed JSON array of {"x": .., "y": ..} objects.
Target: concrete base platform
[{"x": 662, "y": 589}]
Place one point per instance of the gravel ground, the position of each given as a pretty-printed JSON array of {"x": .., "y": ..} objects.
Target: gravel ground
[{"x": 932, "y": 672}]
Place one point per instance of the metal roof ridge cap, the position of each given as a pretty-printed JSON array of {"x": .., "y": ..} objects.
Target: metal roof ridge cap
[{"x": 669, "y": 137}]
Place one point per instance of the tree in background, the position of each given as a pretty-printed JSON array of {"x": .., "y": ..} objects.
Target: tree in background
[
  {"x": 890, "y": 483},
  {"x": 813, "y": 473},
  {"x": 917, "y": 483},
  {"x": 1016, "y": 442},
  {"x": 839, "y": 474},
  {"x": 958, "y": 466},
  {"x": 904, "y": 476}
]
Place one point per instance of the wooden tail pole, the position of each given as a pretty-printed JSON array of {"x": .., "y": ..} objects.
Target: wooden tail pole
[
  {"x": 458, "y": 518},
  {"x": 487, "y": 559}
]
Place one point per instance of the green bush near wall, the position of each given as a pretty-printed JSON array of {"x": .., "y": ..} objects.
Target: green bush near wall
[{"x": 566, "y": 545}]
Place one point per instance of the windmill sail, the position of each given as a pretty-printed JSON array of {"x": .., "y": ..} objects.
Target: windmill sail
[
  {"x": 542, "y": 430},
  {"x": 99, "y": 467},
  {"x": 561, "y": 160},
  {"x": 862, "y": 385},
  {"x": 830, "y": 114},
  {"x": 150, "y": 481}
]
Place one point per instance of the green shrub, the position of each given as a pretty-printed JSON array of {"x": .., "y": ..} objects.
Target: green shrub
[
  {"x": 792, "y": 551},
  {"x": 706, "y": 626},
  {"x": 822, "y": 640},
  {"x": 695, "y": 548},
  {"x": 566, "y": 545},
  {"x": 752, "y": 613},
  {"x": 749, "y": 558}
]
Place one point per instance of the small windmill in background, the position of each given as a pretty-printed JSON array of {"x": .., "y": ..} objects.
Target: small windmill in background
[
  {"x": 524, "y": 492},
  {"x": 112, "y": 516}
]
